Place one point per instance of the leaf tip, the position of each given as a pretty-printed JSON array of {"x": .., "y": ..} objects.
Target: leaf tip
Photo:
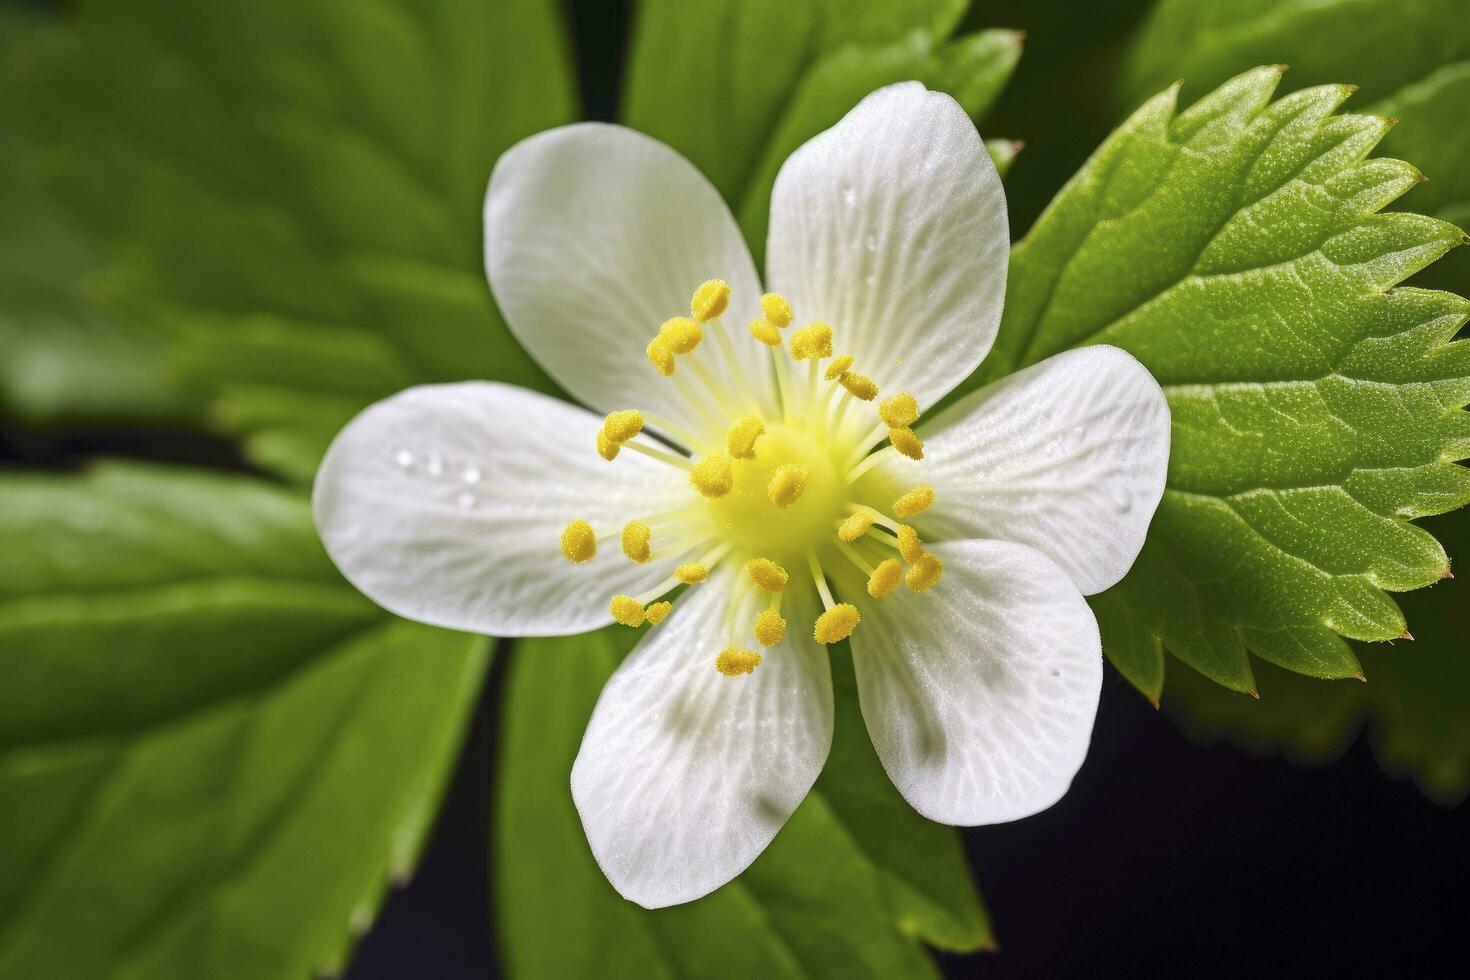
[
  {"x": 1406, "y": 635},
  {"x": 1280, "y": 69},
  {"x": 1358, "y": 676},
  {"x": 1253, "y": 693}
]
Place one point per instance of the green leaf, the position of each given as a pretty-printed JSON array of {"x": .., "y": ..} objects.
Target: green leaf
[
  {"x": 214, "y": 753},
  {"x": 899, "y": 877},
  {"x": 289, "y": 199},
  {"x": 1235, "y": 249}
]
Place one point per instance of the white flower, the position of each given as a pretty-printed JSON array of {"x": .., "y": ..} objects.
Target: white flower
[{"x": 764, "y": 475}]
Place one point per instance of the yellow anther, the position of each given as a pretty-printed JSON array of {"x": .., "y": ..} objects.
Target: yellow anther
[
  {"x": 658, "y": 612},
  {"x": 743, "y": 434},
  {"x": 906, "y": 442},
  {"x": 710, "y": 300},
  {"x": 838, "y": 367},
  {"x": 837, "y": 623},
  {"x": 636, "y": 536},
  {"x": 812, "y": 341},
  {"x": 765, "y": 332},
  {"x": 622, "y": 426},
  {"x": 713, "y": 476},
  {"x": 626, "y": 610},
  {"x": 786, "y": 484},
  {"x": 924, "y": 572},
  {"x": 606, "y": 448},
  {"x": 775, "y": 309},
  {"x": 680, "y": 334},
  {"x": 856, "y": 526},
  {"x": 661, "y": 357},
  {"x": 766, "y": 574},
  {"x": 899, "y": 411},
  {"x": 578, "y": 542},
  {"x": 916, "y": 501},
  {"x": 885, "y": 578},
  {"x": 733, "y": 663},
  {"x": 691, "y": 573},
  {"x": 909, "y": 544},
  {"x": 861, "y": 386},
  {"x": 770, "y": 626}
]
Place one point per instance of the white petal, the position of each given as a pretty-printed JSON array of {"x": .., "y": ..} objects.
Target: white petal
[
  {"x": 1068, "y": 456},
  {"x": 596, "y": 234},
  {"x": 685, "y": 775},
  {"x": 891, "y": 227},
  {"x": 981, "y": 692},
  {"x": 446, "y": 503}
]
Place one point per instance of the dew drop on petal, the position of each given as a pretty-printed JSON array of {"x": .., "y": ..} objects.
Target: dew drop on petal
[
  {"x": 466, "y": 500},
  {"x": 849, "y": 195},
  {"x": 403, "y": 458},
  {"x": 434, "y": 463},
  {"x": 472, "y": 474},
  {"x": 1121, "y": 500}
]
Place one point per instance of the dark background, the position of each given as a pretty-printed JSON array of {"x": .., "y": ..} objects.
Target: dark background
[{"x": 1165, "y": 858}]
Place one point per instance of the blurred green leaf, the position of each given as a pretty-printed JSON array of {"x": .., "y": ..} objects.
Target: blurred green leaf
[
  {"x": 288, "y": 199},
  {"x": 214, "y": 753},
  {"x": 1234, "y": 248},
  {"x": 845, "y": 889}
]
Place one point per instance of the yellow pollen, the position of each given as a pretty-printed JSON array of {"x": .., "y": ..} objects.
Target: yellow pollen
[
  {"x": 885, "y": 578},
  {"x": 855, "y": 526},
  {"x": 916, "y": 501},
  {"x": 713, "y": 476},
  {"x": 623, "y": 425},
  {"x": 733, "y": 662},
  {"x": 578, "y": 542},
  {"x": 626, "y": 610},
  {"x": 924, "y": 572},
  {"x": 775, "y": 309},
  {"x": 691, "y": 573},
  {"x": 606, "y": 448},
  {"x": 636, "y": 536},
  {"x": 837, "y": 623},
  {"x": 710, "y": 300},
  {"x": 899, "y": 411},
  {"x": 812, "y": 341},
  {"x": 765, "y": 332},
  {"x": 661, "y": 357},
  {"x": 786, "y": 484},
  {"x": 770, "y": 627},
  {"x": 680, "y": 334},
  {"x": 658, "y": 612},
  {"x": 861, "y": 386},
  {"x": 838, "y": 367},
  {"x": 766, "y": 574},
  {"x": 743, "y": 434},
  {"x": 909, "y": 544},
  {"x": 906, "y": 442}
]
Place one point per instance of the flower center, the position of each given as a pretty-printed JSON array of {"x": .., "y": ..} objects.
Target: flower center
[{"x": 785, "y": 501}]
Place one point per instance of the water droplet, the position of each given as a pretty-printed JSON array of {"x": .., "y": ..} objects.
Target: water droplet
[
  {"x": 403, "y": 458},
  {"x": 849, "y": 195},
  {"x": 472, "y": 474},
  {"x": 872, "y": 243},
  {"x": 434, "y": 463},
  {"x": 466, "y": 500},
  {"x": 1122, "y": 500}
]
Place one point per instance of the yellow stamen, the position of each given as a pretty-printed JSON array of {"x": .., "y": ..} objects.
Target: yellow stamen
[
  {"x": 837, "y": 623},
  {"x": 899, "y": 411},
  {"x": 916, "y": 501},
  {"x": 856, "y": 525},
  {"x": 909, "y": 545},
  {"x": 636, "y": 536},
  {"x": 924, "y": 572},
  {"x": 743, "y": 434},
  {"x": 710, "y": 300},
  {"x": 713, "y": 476},
  {"x": 658, "y": 612},
  {"x": 661, "y": 357},
  {"x": 812, "y": 341},
  {"x": 578, "y": 542},
  {"x": 770, "y": 627},
  {"x": 626, "y": 610},
  {"x": 691, "y": 573},
  {"x": 765, "y": 332},
  {"x": 838, "y": 367},
  {"x": 885, "y": 578},
  {"x": 906, "y": 442},
  {"x": 606, "y": 448},
  {"x": 766, "y": 574},
  {"x": 733, "y": 662},
  {"x": 787, "y": 483},
  {"x": 622, "y": 425},
  {"x": 861, "y": 386},
  {"x": 680, "y": 334},
  {"x": 775, "y": 309}
]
